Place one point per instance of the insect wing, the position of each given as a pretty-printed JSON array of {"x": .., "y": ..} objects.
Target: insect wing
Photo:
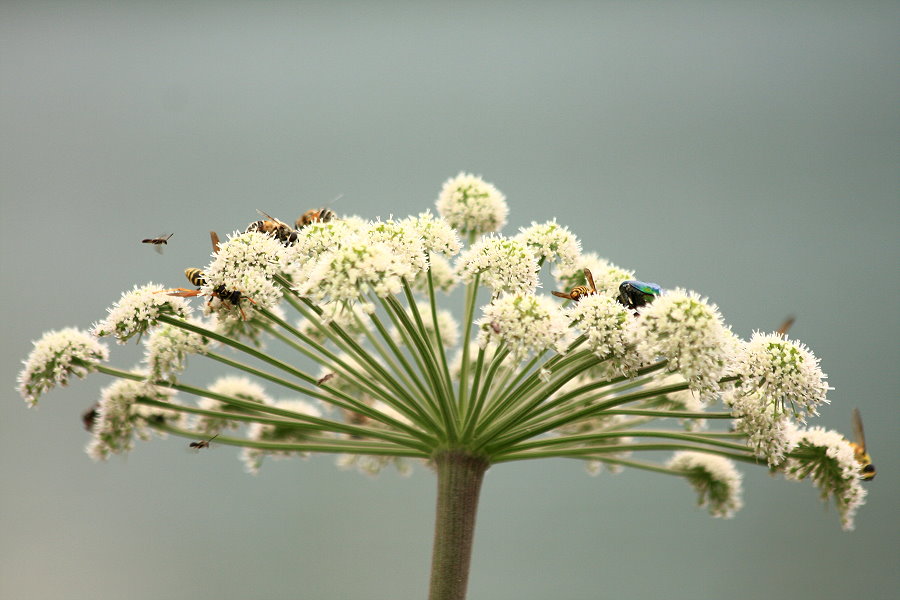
[
  {"x": 858, "y": 434},
  {"x": 214, "y": 237},
  {"x": 647, "y": 288},
  {"x": 590, "y": 280},
  {"x": 560, "y": 295},
  {"x": 786, "y": 326}
]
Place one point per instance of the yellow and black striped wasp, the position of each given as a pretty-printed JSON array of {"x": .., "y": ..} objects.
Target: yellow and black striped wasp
[
  {"x": 198, "y": 278},
  {"x": 579, "y": 291}
]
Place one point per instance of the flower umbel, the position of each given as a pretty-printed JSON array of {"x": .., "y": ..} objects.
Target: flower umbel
[
  {"x": 827, "y": 459},
  {"x": 717, "y": 482},
  {"x": 504, "y": 265},
  {"x": 472, "y": 205},
  {"x": 342, "y": 317},
  {"x": 526, "y": 323},
  {"x": 785, "y": 372},
  {"x": 57, "y": 356},
  {"x": 139, "y": 310},
  {"x": 688, "y": 332}
]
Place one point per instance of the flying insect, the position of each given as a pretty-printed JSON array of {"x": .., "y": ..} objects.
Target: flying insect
[
  {"x": 579, "y": 291},
  {"x": 866, "y": 468},
  {"x": 90, "y": 416},
  {"x": 158, "y": 242},
  {"x": 202, "y": 443},
  {"x": 785, "y": 327},
  {"x": 635, "y": 294}
]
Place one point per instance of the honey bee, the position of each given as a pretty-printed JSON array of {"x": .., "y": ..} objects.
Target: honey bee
[
  {"x": 580, "y": 291},
  {"x": 283, "y": 232},
  {"x": 202, "y": 443},
  {"x": 158, "y": 242},
  {"x": 867, "y": 469},
  {"x": 315, "y": 215},
  {"x": 198, "y": 278},
  {"x": 786, "y": 326}
]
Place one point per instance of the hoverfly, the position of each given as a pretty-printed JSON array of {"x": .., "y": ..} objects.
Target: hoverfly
[
  {"x": 158, "y": 242},
  {"x": 634, "y": 294},
  {"x": 579, "y": 291},
  {"x": 89, "y": 417},
  {"x": 283, "y": 232},
  {"x": 866, "y": 468},
  {"x": 202, "y": 443},
  {"x": 786, "y": 326},
  {"x": 198, "y": 278}
]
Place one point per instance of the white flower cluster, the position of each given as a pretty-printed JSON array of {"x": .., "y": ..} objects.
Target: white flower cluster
[
  {"x": 607, "y": 276},
  {"x": 505, "y": 265},
  {"x": 455, "y": 365},
  {"x": 404, "y": 240},
  {"x": 120, "y": 418},
  {"x": 603, "y": 423},
  {"x": 717, "y": 482},
  {"x": 827, "y": 458},
  {"x": 448, "y": 326},
  {"x": 234, "y": 386},
  {"x": 438, "y": 237},
  {"x": 57, "y": 356},
  {"x": 769, "y": 434},
  {"x": 290, "y": 432},
  {"x": 526, "y": 323},
  {"x": 689, "y": 333},
  {"x": 370, "y": 464},
  {"x": 245, "y": 264},
  {"x": 319, "y": 237},
  {"x": 352, "y": 269},
  {"x": 784, "y": 372},
  {"x": 167, "y": 349},
  {"x": 604, "y": 321},
  {"x": 138, "y": 310},
  {"x": 443, "y": 278},
  {"x": 471, "y": 205},
  {"x": 551, "y": 242}
]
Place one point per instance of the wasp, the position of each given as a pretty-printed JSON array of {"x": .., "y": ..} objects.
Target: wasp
[
  {"x": 158, "y": 242},
  {"x": 315, "y": 215},
  {"x": 198, "y": 278},
  {"x": 785, "y": 327},
  {"x": 325, "y": 378},
  {"x": 634, "y": 294},
  {"x": 867, "y": 469},
  {"x": 202, "y": 443},
  {"x": 283, "y": 232},
  {"x": 579, "y": 291}
]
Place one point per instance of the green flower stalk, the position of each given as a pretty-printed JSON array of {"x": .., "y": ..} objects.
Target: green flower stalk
[{"x": 344, "y": 322}]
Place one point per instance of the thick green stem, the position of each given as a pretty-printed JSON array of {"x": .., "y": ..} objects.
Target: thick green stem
[{"x": 459, "y": 477}]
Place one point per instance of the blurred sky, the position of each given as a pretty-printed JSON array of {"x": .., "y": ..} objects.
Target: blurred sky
[{"x": 745, "y": 150}]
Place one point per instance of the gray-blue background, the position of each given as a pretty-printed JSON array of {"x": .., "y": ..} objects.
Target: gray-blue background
[{"x": 745, "y": 150}]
